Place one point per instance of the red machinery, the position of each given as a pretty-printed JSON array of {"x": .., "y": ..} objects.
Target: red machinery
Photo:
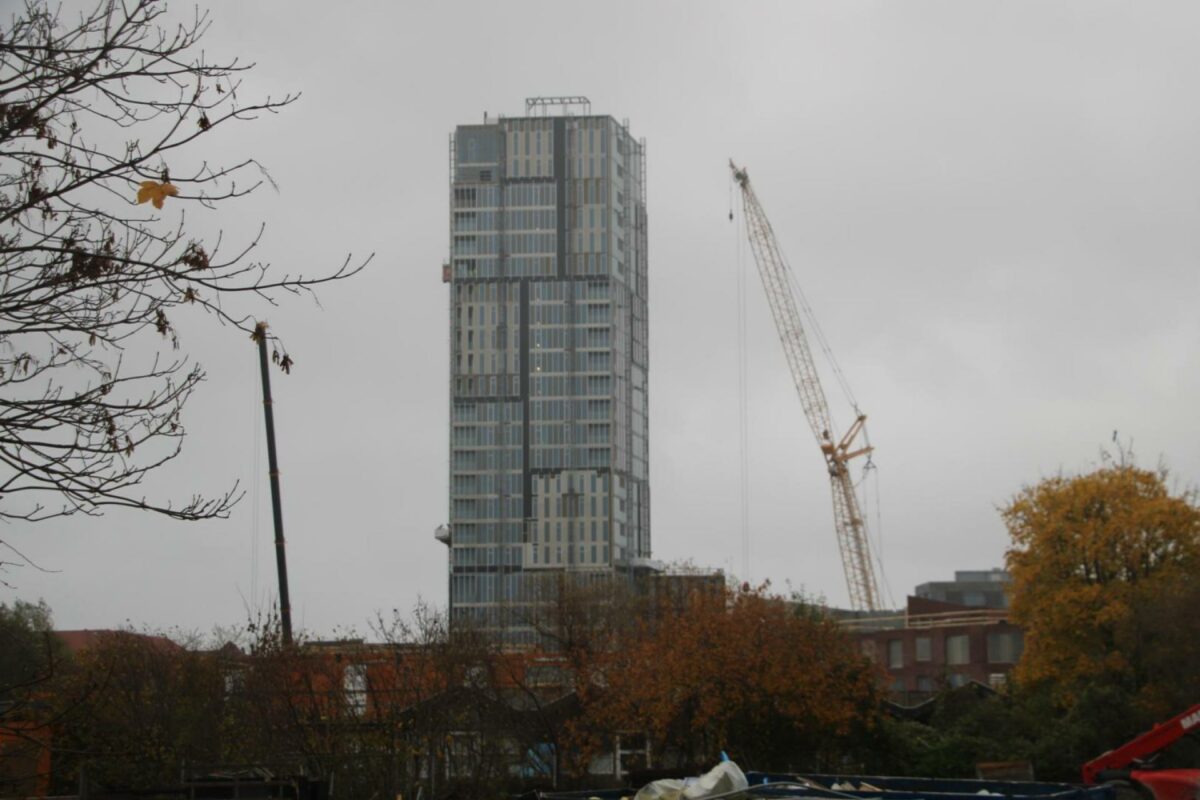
[{"x": 1130, "y": 761}]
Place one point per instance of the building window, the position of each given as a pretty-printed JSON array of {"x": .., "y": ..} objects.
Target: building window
[
  {"x": 958, "y": 649},
  {"x": 1004, "y": 648},
  {"x": 924, "y": 683},
  {"x": 895, "y": 654},
  {"x": 868, "y": 648},
  {"x": 924, "y": 647},
  {"x": 354, "y": 684},
  {"x": 462, "y": 754},
  {"x": 235, "y": 681}
]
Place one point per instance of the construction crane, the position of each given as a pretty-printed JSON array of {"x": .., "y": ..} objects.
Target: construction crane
[{"x": 847, "y": 517}]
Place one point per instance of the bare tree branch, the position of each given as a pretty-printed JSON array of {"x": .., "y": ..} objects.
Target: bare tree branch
[{"x": 91, "y": 113}]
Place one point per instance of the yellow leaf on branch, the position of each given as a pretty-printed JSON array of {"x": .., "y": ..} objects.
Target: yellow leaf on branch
[{"x": 155, "y": 192}]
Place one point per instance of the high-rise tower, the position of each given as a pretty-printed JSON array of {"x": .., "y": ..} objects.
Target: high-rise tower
[{"x": 548, "y": 358}]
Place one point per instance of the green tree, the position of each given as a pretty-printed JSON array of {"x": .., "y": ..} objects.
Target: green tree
[
  {"x": 1103, "y": 567},
  {"x": 30, "y": 660},
  {"x": 965, "y": 729},
  {"x": 99, "y": 112},
  {"x": 28, "y": 651},
  {"x": 135, "y": 707}
]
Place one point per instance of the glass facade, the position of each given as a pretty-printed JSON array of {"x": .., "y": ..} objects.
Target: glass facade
[{"x": 548, "y": 363}]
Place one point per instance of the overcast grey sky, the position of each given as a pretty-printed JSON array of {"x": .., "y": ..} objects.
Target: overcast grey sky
[{"x": 992, "y": 207}]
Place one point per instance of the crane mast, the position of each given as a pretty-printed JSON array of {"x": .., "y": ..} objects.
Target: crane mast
[{"x": 847, "y": 517}]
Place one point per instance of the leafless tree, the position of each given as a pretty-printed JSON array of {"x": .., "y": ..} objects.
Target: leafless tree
[
  {"x": 437, "y": 693},
  {"x": 104, "y": 119}
]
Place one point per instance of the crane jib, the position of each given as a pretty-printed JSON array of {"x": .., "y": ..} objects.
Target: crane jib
[{"x": 849, "y": 524}]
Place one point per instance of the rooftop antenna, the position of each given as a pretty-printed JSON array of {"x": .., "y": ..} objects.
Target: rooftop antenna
[{"x": 533, "y": 105}]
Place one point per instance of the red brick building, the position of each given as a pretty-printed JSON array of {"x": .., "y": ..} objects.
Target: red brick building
[{"x": 935, "y": 644}]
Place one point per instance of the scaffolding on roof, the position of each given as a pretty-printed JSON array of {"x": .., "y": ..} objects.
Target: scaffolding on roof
[{"x": 544, "y": 104}]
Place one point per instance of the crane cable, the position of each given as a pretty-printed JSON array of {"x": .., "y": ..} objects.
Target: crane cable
[
  {"x": 819, "y": 335},
  {"x": 870, "y": 472},
  {"x": 869, "y": 468},
  {"x": 743, "y": 386}
]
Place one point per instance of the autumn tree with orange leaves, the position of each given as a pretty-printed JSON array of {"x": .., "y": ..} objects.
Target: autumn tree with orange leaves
[
  {"x": 107, "y": 121},
  {"x": 1104, "y": 585},
  {"x": 772, "y": 684}
]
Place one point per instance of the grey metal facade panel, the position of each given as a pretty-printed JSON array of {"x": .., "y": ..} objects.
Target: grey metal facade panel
[
  {"x": 523, "y": 350},
  {"x": 560, "y": 195}
]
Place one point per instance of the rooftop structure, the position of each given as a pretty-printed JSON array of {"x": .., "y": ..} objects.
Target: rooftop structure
[{"x": 976, "y": 588}]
